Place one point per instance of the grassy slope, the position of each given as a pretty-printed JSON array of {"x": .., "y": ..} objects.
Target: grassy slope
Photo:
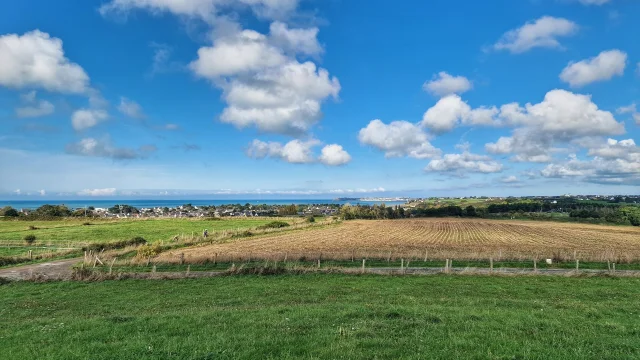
[
  {"x": 103, "y": 231},
  {"x": 324, "y": 316}
]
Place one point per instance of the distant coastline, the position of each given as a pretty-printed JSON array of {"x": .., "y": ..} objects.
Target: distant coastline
[{"x": 172, "y": 203}]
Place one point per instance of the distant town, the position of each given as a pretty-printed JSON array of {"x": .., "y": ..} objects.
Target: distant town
[{"x": 265, "y": 210}]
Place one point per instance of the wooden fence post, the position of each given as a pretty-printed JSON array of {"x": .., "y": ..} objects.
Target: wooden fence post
[
  {"x": 577, "y": 264},
  {"x": 426, "y": 254},
  {"x": 363, "y": 264},
  {"x": 153, "y": 270},
  {"x": 401, "y": 264},
  {"x": 608, "y": 265},
  {"x": 389, "y": 257},
  {"x": 30, "y": 255},
  {"x": 535, "y": 264},
  {"x": 614, "y": 267},
  {"x": 491, "y": 264},
  {"x": 181, "y": 258},
  {"x": 318, "y": 263}
]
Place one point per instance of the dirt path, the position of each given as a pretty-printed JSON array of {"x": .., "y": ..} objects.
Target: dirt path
[{"x": 49, "y": 270}]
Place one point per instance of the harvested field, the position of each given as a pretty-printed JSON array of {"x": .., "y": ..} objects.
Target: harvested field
[{"x": 432, "y": 238}]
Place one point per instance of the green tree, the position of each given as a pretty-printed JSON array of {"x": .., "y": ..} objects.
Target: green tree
[
  {"x": 471, "y": 211},
  {"x": 8, "y": 211}
]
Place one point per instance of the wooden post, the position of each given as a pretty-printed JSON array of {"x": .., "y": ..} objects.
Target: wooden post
[
  {"x": 181, "y": 258},
  {"x": 353, "y": 255},
  {"x": 215, "y": 258},
  {"x": 446, "y": 265},
  {"x": 426, "y": 254},
  {"x": 153, "y": 270},
  {"x": 608, "y": 265},
  {"x": 450, "y": 264},
  {"x": 188, "y": 269},
  {"x": 30, "y": 255},
  {"x": 535, "y": 264},
  {"x": 318, "y": 263},
  {"x": 577, "y": 264},
  {"x": 491, "y": 264},
  {"x": 614, "y": 267},
  {"x": 389, "y": 257},
  {"x": 363, "y": 264},
  {"x": 286, "y": 254},
  {"x": 401, "y": 264}
]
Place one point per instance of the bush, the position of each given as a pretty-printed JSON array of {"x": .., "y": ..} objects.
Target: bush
[
  {"x": 311, "y": 219},
  {"x": 86, "y": 223},
  {"x": 30, "y": 239},
  {"x": 11, "y": 212},
  {"x": 149, "y": 251},
  {"x": 115, "y": 245},
  {"x": 31, "y": 227},
  {"x": 274, "y": 225}
]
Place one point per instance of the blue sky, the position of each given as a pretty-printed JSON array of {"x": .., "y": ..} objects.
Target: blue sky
[{"x": 309, "y": 98}]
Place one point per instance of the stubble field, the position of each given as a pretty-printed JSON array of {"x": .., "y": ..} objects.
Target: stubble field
[{"x": 434, "y": 238}]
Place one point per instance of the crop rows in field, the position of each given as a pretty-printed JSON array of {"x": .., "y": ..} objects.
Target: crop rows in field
[{"x": 459, "y": 238}]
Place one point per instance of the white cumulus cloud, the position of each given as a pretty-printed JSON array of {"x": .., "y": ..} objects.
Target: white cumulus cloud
[
  {"x": 543, "y": 32},
  {"x": 600, "y": 68},
  {"x": 399, "y": 138},
  {"x": 299, "y": 152},
  {"x": 87, "y": 118},
  {"x": 452, "y": 111},
  {"x": 463, "y": 163},
  {"x": 131, "y": 108},
  {"x": 444, "y": 84},
  {"x": 560, "y": 118},
  {"x": 334, "y": 155},
  {"x": 37, "y": 60},
  {"x": 265, "y": 85}
]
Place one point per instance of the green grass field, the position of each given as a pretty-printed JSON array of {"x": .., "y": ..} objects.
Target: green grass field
[
  {"x": 72, "y": 230},
  {"x": 324, "y": 316}
]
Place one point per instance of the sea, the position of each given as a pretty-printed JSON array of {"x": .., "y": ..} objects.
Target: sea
[{"x": 172, "y": 203}]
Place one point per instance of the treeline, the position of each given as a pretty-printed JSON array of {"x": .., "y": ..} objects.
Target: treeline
[
  {"x": 623, "y": 215},
  {"x": 46, "y": 212}
]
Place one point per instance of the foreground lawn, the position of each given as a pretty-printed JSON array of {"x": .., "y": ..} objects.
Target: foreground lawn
[
  {"x": 324, "y": 316},
  {"x": 70, "y": 230}
]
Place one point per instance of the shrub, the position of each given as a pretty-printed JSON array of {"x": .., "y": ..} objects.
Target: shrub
[
  {"x": 86, "y": 223},
  {"x": 115, "y": 245},
  {"x": 311, "y": 219},
  {"x": 274, "y": 225},
  {"x": 148, "y": 251},
  {"x": 11, "y": 212},
  {"x": 31, "y": 227},
  {"x": 30, "y": 239}
]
